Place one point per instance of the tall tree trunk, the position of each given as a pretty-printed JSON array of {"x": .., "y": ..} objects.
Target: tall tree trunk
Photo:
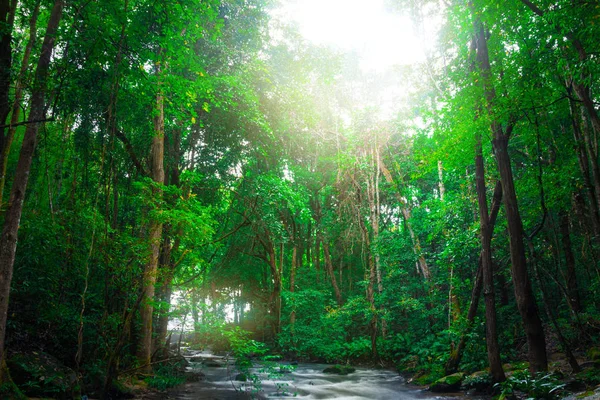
[
  {"x": 526, "y": 303},
  {"x": 8, "y": 240},
  {"x": 155, "y": 234},
  {"x": 6, "y": 142},
  {"x": 584, "y": 165},
  {"x": 456, "y": 355},
  {"x": 6, "y": 19},
  {"x": 293, "y": 286},
  {"x": 370, "y": 271},
  {"x": 491, "y": 330}
]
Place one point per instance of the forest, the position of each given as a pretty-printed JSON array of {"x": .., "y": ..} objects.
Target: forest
[{"x": 199, "y": 169}]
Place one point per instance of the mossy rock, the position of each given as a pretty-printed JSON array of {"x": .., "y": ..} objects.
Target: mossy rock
[
  {"x": 423, "y": 379},
  {"x": 40, "y": 374},
  {"x": 339, "y": 370},
  {"x": 450, "y": 383}
]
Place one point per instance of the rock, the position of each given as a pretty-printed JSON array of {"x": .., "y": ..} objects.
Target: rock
[
  {"x": 339, "y": 370},
  {"x": 450, "y": 383},
  {"x": 241, "y": 378},
  {"x": 213, "y": 364},
  {"x": 39, "y": 374}
]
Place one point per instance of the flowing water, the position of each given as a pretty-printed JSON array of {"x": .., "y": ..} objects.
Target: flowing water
[{"x": 302, "y": 381}]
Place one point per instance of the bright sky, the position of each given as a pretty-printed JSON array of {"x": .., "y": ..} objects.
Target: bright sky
[{"x": 381, "y": 38}]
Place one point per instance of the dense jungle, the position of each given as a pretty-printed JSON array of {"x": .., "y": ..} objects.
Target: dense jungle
[{"x": 185, "y": 176}]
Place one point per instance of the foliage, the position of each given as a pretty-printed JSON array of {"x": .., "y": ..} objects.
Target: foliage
[
  {"x": 166, "y": 377},
  {"x": 537, "y": 386}
]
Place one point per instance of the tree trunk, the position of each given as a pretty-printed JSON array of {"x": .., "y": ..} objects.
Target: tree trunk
[
  {"x": 572, "y": 286},
  {"x": 292, "y": 286},
  {"x": 491, "y": 330},
  {"x": 330, "y": 272},
  {"x": 6, "y": 142},
  {"x": 8, "y": 240},
  {"x": 456, "y": 355},
  {"x": 6, "y": 14},
  {"x": 155, "y": 235},
  {"x": 584, "y": 166},
  {"x": 523, "y": 292}
]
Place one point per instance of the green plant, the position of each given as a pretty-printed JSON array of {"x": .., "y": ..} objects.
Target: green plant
[
  {"x": 166, "y": 377},
  {"x": 538, "y": 386}
]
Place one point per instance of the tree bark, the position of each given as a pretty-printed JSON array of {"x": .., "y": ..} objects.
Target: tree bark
[
  {"x": 493, "y": 349},
  {"x": 523, "y": 292},
  {"x": 8, "y": 240},
  {"x": 5, "y": 58},
  {"x": 6, "y": 142},
  {"x": 593, "y": 190},
  {"x": 154, "y": 236}
]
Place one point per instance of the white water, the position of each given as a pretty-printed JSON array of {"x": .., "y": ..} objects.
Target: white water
[{"x": 306, "y": 382}]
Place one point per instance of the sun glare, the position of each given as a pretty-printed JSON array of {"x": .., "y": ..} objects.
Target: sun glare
[{"x": 380, "y": 37}]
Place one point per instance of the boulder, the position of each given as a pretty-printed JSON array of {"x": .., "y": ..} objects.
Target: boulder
[
  {"x": 450, "y": 383},
  {"x": 39, "y": 374},
  {"x": 339, "y": 370}
]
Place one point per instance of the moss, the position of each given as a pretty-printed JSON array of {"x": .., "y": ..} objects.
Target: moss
[{"x": 448, "y": 383}]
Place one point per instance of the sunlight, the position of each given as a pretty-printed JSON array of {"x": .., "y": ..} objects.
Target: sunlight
[{"x": 380, "y": 37}]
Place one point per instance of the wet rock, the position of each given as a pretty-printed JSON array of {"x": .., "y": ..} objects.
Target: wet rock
[
  {"x": 339, "y": 370},
  {"x": 241, "y": 378},
  {"x": 450, "y": 383},
  {"x": 39, "y": 374}
]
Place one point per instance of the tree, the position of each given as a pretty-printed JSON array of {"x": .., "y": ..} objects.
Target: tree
[{"x": 8, "y": 240}]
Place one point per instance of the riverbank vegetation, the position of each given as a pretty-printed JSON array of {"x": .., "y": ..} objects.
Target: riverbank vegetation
[{"x": 200, "y": 166}]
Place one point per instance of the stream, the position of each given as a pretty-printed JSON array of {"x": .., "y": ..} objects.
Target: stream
[{"x": 303, "y": 381}]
